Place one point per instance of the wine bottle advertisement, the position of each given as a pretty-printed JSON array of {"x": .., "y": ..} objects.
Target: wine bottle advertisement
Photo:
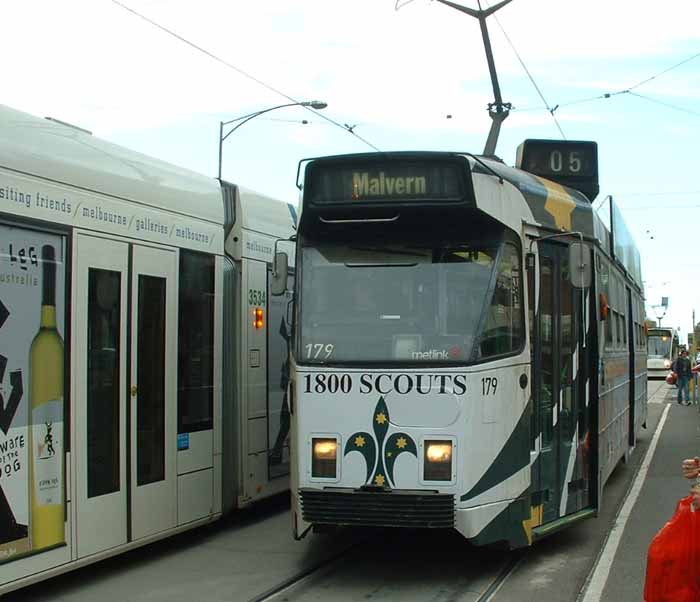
[{"x": 32, "y": 329}]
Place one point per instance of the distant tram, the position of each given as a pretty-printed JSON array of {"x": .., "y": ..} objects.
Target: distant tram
[
  {"x": 142, "y": 359},
  {"x": 662, "y": 349},
  {"x": 468, "y": 347}
]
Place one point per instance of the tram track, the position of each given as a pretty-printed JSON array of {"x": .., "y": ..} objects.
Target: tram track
[
  {"x": 298, "y": 578},
  {"x": 284, "y": 590},
  {"x": 509, "y": 568}
]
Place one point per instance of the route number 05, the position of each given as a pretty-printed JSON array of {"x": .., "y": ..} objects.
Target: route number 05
[{"x": 556, "y": 161}]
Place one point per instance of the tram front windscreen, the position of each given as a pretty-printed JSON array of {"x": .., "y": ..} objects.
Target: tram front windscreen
[
  {"x": 417, "y": 303},
  {"x": 659, "y": 345}
]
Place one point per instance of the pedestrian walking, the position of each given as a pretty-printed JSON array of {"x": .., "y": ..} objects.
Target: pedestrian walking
[{"x": 684, "y": 371}]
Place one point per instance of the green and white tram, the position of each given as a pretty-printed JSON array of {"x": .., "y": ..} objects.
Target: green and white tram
[
  {"x": 460, "y": 359},
  {"x": 140, "y": 354}
]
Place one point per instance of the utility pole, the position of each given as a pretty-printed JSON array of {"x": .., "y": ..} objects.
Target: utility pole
[{"x": 498, "y": 110}]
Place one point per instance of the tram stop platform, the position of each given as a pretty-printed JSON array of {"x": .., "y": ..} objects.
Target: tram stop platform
[{"x": 672, "y": 434}]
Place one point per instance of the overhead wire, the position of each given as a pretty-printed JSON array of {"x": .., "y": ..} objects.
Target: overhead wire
[
  {"x": 239, "y": 70},
  {"x": 532, "y": 79},
  {"x": 665, "y": 104},
  {"x": 629, "y": 91},
  {"x": 671, "y": 68}
]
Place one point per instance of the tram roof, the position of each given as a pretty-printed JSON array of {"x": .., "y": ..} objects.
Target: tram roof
[
  {"x": 261, "y": 213},
  {"x": 68, "y": 155}
]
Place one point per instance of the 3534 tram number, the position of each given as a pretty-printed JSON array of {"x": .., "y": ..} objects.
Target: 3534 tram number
[{"x": 256, "y": 297}]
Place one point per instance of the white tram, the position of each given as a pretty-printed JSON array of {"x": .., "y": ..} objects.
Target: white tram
[
  {"x": 460, "y": 359},
  {"x": 142, "y": 360},
  {"x": 662, "y": 350}
]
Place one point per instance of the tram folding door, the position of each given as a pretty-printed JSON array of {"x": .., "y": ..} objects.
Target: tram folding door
[
  {"x": 125, "y": 422},
  {"x": 560, "y": 410}
]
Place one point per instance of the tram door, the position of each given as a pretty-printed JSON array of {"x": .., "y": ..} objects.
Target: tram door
[
  {"x": 556, "y": 363},
  {"x": 124, "y": 308}
]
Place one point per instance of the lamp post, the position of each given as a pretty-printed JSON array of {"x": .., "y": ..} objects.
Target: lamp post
[{"x": 314, "y": 104}]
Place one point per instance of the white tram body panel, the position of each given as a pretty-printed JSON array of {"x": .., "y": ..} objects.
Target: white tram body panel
[
  {"x": 450, "y": 405},
  {"x": 161, "y": 404},
  {"x": 260, "y": 222}
]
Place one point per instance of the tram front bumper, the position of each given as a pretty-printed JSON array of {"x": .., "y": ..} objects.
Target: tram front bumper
[{"x": 384, "y": 508}]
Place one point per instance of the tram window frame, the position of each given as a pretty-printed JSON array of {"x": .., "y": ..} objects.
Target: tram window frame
[
  {"x": 104, "y": 325},
  {"x": 516, "y": 335},
  {"x": 608, "y": 332},
  {"x": 620, "y": 329},
  {"x": 195, "y": 408},
  {"x": 639, "y": 335},
  {"x": 623, "y": 325}
]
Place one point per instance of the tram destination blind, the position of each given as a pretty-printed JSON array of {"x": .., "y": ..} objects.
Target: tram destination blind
[
  {"x": 559, "y": 158},
  {"x": 572, "y": 163},
  {"x": 392, "y": 181}
]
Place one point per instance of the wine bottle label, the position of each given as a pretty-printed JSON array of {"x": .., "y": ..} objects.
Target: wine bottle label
[{"x": 47, "y": 452}]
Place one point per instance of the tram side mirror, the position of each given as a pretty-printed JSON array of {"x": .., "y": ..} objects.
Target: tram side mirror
[
  {"x": 278, "y": 282},
  {"x": 580, "y": 262}
]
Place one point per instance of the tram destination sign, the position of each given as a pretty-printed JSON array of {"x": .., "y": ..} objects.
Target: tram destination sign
[{"x": 394, "y": 181}]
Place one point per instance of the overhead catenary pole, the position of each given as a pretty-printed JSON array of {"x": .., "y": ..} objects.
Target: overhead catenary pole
[{"x": 498, "y": 110}]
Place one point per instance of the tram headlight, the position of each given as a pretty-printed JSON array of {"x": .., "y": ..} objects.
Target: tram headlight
[
  {"x": 667, "y": 363},
  {"x": 323, "y": 459},
  {"x": 437, "y": 462}
]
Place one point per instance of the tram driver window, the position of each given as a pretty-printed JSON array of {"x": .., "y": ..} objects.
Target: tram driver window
[{"x": 503, "y": 331}]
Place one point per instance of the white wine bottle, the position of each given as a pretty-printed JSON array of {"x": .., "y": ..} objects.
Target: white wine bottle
[{"x": 46, "y": 418}]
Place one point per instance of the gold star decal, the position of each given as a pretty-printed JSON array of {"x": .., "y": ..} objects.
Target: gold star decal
[
  {"x": 360, "y": 441},
  {"x": 401, "y": 443},
  {"x": 381, "y": 418},
  {"x": 388, "y": 454},
  {"x": 379, "y": 480}
]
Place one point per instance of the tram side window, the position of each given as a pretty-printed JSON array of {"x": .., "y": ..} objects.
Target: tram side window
[
  {"x": 621, "y": 329},
  {"x": 195, "y": 385},
  {"x": 504, "y": 329},
  {"x": 103, "y": 378},
  {"x": 623, "y": 326}
]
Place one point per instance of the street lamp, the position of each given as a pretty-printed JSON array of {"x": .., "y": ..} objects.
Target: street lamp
[{"x": 314, "y": 104}]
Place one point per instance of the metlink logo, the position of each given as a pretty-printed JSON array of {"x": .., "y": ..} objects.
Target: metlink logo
[{"x": 432, "y": 354}]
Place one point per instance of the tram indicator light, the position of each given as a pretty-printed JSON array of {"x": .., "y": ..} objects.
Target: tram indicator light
[
  {"x": 258, "y": 318},
  {"x": 323, "y": 458},
  {"x": 437, "y": 462}
]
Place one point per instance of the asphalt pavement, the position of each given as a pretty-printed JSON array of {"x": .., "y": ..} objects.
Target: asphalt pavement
[{"x": 663, "y": 487}]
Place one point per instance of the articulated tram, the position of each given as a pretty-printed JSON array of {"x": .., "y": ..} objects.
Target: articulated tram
[
  {"x": 142, "y": 359},
  {"x": 468, "y": 347}
]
